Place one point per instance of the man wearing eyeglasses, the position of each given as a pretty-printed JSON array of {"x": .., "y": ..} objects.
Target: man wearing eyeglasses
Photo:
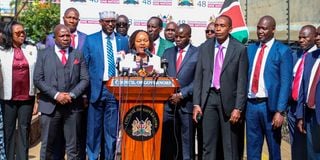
[
  {"x": 71, "y": 20},
  {"x": 122, "y": 25},
  {"x": 100, "y": 51}
]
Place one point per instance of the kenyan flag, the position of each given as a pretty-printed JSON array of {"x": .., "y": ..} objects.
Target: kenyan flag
[{"x": 232, "y": 9}]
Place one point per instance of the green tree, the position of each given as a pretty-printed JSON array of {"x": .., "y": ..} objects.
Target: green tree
[{"x": 39, "y": 19}]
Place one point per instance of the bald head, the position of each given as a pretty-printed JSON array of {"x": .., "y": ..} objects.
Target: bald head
[
  {"x": 62, "y": 36},
  {"x": 183, "y": 35},
  {"x": 266, "y": 28},
  {"x": 307, "y": 37}
]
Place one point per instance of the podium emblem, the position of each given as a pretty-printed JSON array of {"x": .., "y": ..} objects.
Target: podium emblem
[{"x": 141, "y": 122}]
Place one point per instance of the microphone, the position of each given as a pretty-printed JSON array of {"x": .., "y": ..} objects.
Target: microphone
[
  {"x": 148, "y": 53},
  {"x": 133, "y": 51},
  {"x": 164, "y": 65},
  {"x": 118, "y": 65},
  {"x": 125, "y": 71}
]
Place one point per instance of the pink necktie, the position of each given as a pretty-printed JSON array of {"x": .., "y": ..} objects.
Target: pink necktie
[
  {"x": 179, "y": 60},
  {"x": 64, "y": 57},
  {"x": 297, "y": 78},
  {"x": 312, "y": 93},
  {"x": 217, "y": 68},
  {"x": 257, "y": 68},
  {"x": 73, "y": 43},
  {"x": 154, "y": 48}
]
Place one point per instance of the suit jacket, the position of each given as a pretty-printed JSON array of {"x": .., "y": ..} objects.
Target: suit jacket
[
  {"x": 277, "y": 74},
  {"x": 93, "y": 53},
  {"x": 46, "y": 78},
  {"x": 82, "y": 36},
  {"x": 185, "y": 75},
  {"x": 6, "y": 62},
  {"x": 309, "y": 63},
  {"x": 163, "y": 45},
  {"x": 233, "y": 79}
]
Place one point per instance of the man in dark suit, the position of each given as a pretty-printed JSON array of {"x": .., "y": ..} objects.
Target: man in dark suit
[
  {"x": 307, "y": 36},
  {"x": 308, "y": 109},
  {"x": 71, "y": 20},
  {"x": 270, "y": 79},
  {"x": 177, "y": 121},
  {"x": 154, "y": 27},
  {"x": 101, "y": 50},
  {"x": 219, "y": 93},
  {"x": 61, "y": 76}
]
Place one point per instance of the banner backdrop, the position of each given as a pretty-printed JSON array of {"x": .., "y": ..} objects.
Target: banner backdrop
[{"x": 196, "y": 13}]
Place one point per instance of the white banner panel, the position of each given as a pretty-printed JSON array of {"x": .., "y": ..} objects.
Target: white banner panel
[{"x": 196, "y": 13}]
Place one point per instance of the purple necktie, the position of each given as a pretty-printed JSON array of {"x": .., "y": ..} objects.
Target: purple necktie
[{"x": 217, "y": 68}]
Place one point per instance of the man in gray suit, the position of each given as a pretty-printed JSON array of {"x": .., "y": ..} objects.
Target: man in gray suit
[
  {"x": 61, "y": 76},
  {"x": 220, "y": 91}
]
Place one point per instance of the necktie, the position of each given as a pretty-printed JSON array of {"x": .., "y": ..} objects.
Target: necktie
[
  {"x": 256, "y": 73},
  {"x": 217, "y": 68},
  {"x": 297, "y": 79},
  {"x": 111, "y": 63},
  {"x": 73, "y": 43},
  {"x": 154, "y": 48},
  {"x": 312, "y": 93},
  {"x": 64, "y": 57},
  {"x": 179, "y": 60}
]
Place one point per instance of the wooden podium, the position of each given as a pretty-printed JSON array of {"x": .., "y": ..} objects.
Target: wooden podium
[{"x": 141, "y": 111}]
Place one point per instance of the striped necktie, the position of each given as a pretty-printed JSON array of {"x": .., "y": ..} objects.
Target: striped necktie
[{"x": 111, "y": 63}]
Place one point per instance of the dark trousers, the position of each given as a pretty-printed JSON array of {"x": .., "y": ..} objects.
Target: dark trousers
[
  {"x": 13, "y": 111},
  {"x": 258, "y": 126},
  {"x": 177, "y": 135},
  {"x": 103, "y": 117},
  {"x": 67, "y": 121},
  {"x": 297, "y": 139},
  {"x": 216, "y": 125},
  {"x": 313, "y": 134}
]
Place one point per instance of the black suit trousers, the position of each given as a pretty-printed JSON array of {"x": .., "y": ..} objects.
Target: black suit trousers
[{"x": 217, "y": 129}]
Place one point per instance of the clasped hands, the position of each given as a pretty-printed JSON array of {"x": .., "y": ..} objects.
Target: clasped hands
[
  {"x": 175, "y": 98},
  {"x": 64, "y": 98}
]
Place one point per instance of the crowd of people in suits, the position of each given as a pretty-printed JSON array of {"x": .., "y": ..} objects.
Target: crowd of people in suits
[{"x": 224, "y": 86}]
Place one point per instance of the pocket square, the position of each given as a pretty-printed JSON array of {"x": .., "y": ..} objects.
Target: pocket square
[{"x": 76, "y": 61}]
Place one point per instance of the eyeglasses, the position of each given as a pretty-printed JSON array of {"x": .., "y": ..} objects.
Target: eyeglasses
[
  {"x": 108, "y": 21},
  {"x": 122, "y": 24},
  {"x": 19, "y": 33},
  {"x": 209, "y": 31},
  {"x": 172, "y": 30}
]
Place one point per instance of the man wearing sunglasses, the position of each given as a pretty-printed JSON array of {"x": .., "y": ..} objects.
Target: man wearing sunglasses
[
  {"x": 122, "y": 25},
  {"x": 210, "y": 30}
]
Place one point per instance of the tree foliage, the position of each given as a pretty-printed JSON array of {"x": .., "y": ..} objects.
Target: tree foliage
[{"x": 39, "y": 19}]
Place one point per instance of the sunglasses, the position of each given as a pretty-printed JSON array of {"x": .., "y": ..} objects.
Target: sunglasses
[
  {"x": 122, "y": 24},
  {"x": 209, "y": 31},
  {"x": 19, "y": 33},
  {"x": 172, "y": 30}
]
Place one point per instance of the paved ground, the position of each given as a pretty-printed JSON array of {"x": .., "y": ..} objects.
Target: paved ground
[{"x": 285, "y": 151}]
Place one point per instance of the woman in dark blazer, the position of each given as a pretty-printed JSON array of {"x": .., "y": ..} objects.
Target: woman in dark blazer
[{"x": 17, "y": 62}]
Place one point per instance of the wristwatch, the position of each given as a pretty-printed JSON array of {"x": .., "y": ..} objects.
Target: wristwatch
[{"x": 72, "y": 95}]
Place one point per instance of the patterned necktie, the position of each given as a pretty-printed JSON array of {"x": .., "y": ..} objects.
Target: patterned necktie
[
  {"x": 256, "y": 73},
  {"x": 111, "y": 63},
  {"x": 312, "y": 93},
  {"x": 73, "y": 43},
  {"x": 297, "y": 79},
  {"x": 64, "y": 57},
  {"x": 217, "y": 67},
  {"x": 179, "y": 60},
  {"x": 154, "y": 48}
]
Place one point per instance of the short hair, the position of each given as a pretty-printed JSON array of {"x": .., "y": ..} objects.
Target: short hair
[
  {"x": 133, "y": 37},
  {"x": 71, "y": 9},
  {"x": 160, "y": 22},
  {"x": 228, "y": 18}
]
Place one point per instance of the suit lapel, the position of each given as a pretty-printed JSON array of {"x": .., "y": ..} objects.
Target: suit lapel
[
  {"x": 228, "y": 56},
  {"x": 71, "y": 59},
  {"x": 211, "y": 50}
]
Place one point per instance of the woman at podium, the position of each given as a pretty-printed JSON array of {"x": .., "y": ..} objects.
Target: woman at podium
[{"x": 141, "y": 58}]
